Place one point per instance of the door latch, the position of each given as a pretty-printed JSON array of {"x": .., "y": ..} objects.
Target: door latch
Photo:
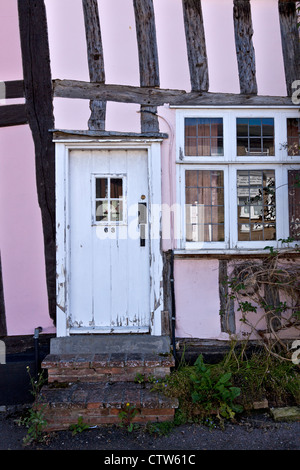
[{"x": 142, "y": 214}]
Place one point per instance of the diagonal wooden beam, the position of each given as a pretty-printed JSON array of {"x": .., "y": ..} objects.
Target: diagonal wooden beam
[
  {"x": 38, "y": 95},
  {"x": 244, "y": 46},
  {"x": 290, "y": 42},
  {"x": 95, "y": 60},
  {"x": 196, "y": 46}
]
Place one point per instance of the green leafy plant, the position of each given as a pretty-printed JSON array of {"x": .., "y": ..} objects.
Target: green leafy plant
[
  {"x": 79, "y": 427},
  {"x": 140, "y": 378},
  {"x": 214, "y": 391},
  {"x": 36, "y": 423},
  {"x": 35, "y": 419},
  {"x": 126, "y": 415}
]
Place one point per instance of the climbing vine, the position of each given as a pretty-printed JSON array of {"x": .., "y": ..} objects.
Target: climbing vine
[{"x": 267, "y": 295}]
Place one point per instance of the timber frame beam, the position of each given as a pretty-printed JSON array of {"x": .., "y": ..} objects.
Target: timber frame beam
[
  {"x": 39, "y": 106},
  {"x": 3, "y": 329},
  {"x": 290, "y": 42},
  {"x": 149, "y": 96}
]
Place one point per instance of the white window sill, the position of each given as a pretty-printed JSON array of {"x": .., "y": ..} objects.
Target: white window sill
[{"x": 233, "y": 252}]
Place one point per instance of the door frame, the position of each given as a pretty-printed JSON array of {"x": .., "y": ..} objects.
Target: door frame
[{"x": 63, "y": 146}]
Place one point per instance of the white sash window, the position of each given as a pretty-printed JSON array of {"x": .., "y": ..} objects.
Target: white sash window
[{"x": 238, "y": 178}]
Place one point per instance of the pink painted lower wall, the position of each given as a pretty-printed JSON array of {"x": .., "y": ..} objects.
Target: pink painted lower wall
[
  {"x": 197, "y": 299},
  {"x": 21, "y": 238}
]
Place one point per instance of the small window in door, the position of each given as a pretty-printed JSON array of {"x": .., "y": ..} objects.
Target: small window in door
[{"x": 109, "y": 199}]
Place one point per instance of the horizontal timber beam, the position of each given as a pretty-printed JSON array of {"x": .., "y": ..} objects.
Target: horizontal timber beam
[
  {"x": 158, "y": 97},
  {"x": 12, "y": 89},
  {"x": 13, "y": 115}
]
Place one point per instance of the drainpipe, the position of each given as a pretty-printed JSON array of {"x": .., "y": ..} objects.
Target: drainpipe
[
  {"x": 36, "y": 349},
  {"x": 173, "y": 305}
]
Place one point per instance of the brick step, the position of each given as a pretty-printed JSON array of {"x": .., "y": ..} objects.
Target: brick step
[
  {"x": 113, "y": 367},
  {"x": 101, "y": 403}
]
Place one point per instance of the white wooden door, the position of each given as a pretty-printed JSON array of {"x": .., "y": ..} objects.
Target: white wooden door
[{"x": 109, "y": 247}]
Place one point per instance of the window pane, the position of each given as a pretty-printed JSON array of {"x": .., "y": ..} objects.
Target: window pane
[
  {"x": 191, "y": 146},
  {"x": 268, "y": 127},
  {"x": 191, "y": 127},
  {"x": 268, "y": 146},
  {"x": 255, "y": 136},
  {"x": 101, "y": 188},
  {"x": 255, "y": 127},
  {"x": 203, "y": 136},
  {"x": 191, "y": 195},
  {"x": 116, "y": 211},
  {"x": 255, "y": 145},
  {"x": 116, "y": 187},
  {"x": 102, "y": 211},
  {"x": 256, "y": 205},
  {"x": 293, "y": 136},
  {"x": 191, "y": 179},
  {"x": 242, "y": 127},
  {"x": 216, "y": 146},
  {"x": 242, "y": 146},
  {"x": 204, "y": 206},
  {"x": 294, "y": 203},
  {"x": 203, "y": 146},
  {"x": 203, "y": 127}
]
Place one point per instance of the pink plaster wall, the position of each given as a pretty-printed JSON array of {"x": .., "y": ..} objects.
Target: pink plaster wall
[
  {"x": 197, "y": 299},
  {"x": 220, "y": 46},
  {"x": 268, "y": 51},
  {"x": 10, "y": 52},
  {"x": 171, "y": 45},
  {"x": 21, "y": 239}
]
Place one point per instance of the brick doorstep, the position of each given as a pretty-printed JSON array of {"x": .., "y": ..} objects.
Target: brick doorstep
[
  {"x": 101, "y": 403},
  {"x": 103, "y": 367}
]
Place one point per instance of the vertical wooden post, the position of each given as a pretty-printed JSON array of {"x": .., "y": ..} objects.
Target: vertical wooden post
[
  {"x": 244, "y": 46},
  {"x": 39, "y": 106},
  {"x": 290, "y": 42},
  {"x": 196, "y": 46},
  {"x": 3, "y": 329},
  {"x": 227, "y": 314},
  {"x": 95, "y": 60},
  {"x": 148, "y": 58}
]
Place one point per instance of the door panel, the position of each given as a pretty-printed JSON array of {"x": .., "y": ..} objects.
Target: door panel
[{"x": 109, "y": 280}]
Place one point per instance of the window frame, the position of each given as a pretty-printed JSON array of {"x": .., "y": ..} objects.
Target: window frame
[
  {"x": 109, "y": 223},
  {"x": 230, "y": 163}
]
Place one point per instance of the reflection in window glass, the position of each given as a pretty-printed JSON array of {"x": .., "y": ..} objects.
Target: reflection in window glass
[
  {"x": 294, "y": 203},
  {"x": 293, "y": 136},
  {"x": 204, "y": 199},
  {"x": 116, "y": 188},
  {"x": 255, "y": 136},
  {"x": 256, "y": 205},
  {"x": 109, "y": 199},
  {"x": 101, "y": 188},
  {"x": 203, "y": 136}
]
